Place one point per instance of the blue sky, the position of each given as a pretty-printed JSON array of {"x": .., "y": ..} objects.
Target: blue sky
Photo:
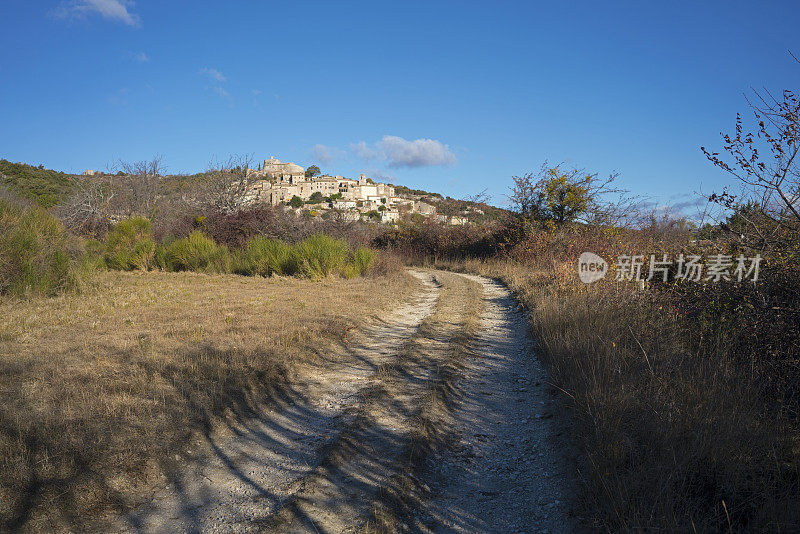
[{"x": 454, "y": 97}]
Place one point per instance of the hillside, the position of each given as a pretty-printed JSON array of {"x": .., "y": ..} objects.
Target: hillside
[
  {"x": 48, "y": 188},
  {"x": 44, "y": 186},
  {"x": 477, "y": 212}
]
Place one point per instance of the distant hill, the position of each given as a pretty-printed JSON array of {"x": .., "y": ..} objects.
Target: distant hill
[
  {"x": 477, "y": 212},
  {"x": 48, "y": 187},
  {"x": 44, "y": 186}
]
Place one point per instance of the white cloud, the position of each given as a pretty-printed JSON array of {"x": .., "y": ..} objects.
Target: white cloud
[
  {"x": 697, "y": 203},
  {"x": 399, "y": 152},
  {"x": 419, "y": 153},
  {"x": 139, "y": 57},
  {"x": 324, "y": 154},
  {"x": 380, "y": 175},
  {"x": 214, "y": 74},
  {"x": 118, "y": 10},
  {"x": 363, "y": 151},
  {"x": 220, "y": 91}
]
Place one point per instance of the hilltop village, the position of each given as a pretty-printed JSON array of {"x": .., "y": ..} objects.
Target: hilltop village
[{"x": 279, "y": 183}]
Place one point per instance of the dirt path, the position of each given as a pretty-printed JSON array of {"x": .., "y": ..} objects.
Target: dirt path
[
  {"x": 436, "y": 419},
  {"x": 510, "y": 473},
  {"x": 341, "y": 494}
]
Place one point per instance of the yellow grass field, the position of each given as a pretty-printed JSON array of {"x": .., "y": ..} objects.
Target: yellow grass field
[{"x": 97, "y": 388}]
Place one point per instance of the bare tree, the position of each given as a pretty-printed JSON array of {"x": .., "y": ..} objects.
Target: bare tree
[
  {"x": 137, "y": 186},
  {"x": 766, "y": 166},
  {"x": 479, "y": 198},
  {"x": 226, "y": 186},
  {"x": 88, "y": 207}
]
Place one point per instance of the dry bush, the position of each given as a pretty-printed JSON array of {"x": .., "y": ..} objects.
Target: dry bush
[
  {"x": 137, "y": 186},
  {"x": 87, "y": 209},
  {"x": 764, "y": 162},
  {"x": 684, "y": 425},
  {"x": 430, "y": 240},
  {"x": 100, "y": 391},
  {"x": 386, "y": 263}
]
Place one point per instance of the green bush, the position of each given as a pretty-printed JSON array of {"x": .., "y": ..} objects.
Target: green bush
[
  {"x": 320, "y": 256},
  {"x": 160, "y": 258},
  {"x": 44, "y": 186},
  {"x": 197, "y": 252},
  {"x": 130, "y": 245},
  {"x": 361, "y": 260},
  {"x": 264, "y": 256},
  {"x": 36, "y": 254},
  {"x": 94, "y": 256},
  {"x": 317, "y": 256}
]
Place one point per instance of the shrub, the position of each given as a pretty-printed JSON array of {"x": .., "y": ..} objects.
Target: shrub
[
  {"x": 35, "y": 253},
  {"x": 94, "y": 259},
  {"x": 387, "y": 263},
  {"x": 130, "y": 245},
  {"x": 197, "y": 252},
  {"x": 234, "y": 229},
  {"x": 160, "y": 258},
  {"x": 265, "y": 256},
  {"x": 360, "y": 261},
  {"x": 321, "y": 255},
  {"x": 317, "y": 256},
  {"x": 44, "y": 186}
]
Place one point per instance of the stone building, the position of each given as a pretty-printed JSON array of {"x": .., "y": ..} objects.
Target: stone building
[
  {"x": 279, "y": 172},
  {"x": 424, "y": 208},
  {"x": 278, "y": 182},
  {"x": 327, "y": 185},
  {"x": 390, "y": 216}
]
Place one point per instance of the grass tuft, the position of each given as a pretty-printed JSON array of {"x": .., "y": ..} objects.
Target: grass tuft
[
  {"x": 315, "y": 257},
  {"x": 320, "y": 256}
]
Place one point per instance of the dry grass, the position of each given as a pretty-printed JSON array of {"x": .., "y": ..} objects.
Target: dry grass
[
  {"x": 98, "y": 389},
  {"x": 676, "y": 433}
]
